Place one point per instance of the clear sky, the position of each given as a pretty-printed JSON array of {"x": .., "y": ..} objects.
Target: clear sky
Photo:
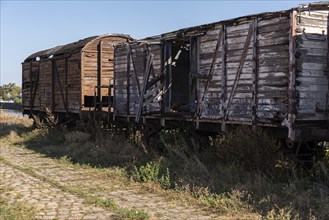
[{"x": 31, "y": 26}]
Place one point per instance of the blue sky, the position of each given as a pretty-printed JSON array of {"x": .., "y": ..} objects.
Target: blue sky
[{"x": 31, "y": 26}]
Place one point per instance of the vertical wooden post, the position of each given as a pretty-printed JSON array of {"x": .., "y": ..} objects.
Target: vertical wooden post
[
  {"x": 224, "y": 77},
  {"x": 114, "y": 80},
  {"x": 327, "y": 108},
  {"x": 53, "y": 86},
  {"x": 95, "y": 105},
  {"x": 168, "y": 77},
  {"x": 163, "y": 73},
  {"x": 194, "y": 64},
  {"x": 255, "y": 75},
  {"x": 23, "y": 88},
  {"x": 31, "y": 87},
  {"x": 128, "y": 79},
  {"x": 292, "y": 78},
  {"x": 66, "y": 84},
  {"x": 82, "y": 76},
  {"x": 100, "y": 69}
]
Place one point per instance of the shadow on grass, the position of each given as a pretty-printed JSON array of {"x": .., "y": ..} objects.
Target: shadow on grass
[
  {"x": 98, "y": 148},
  {"x": 225, "y": 180},
  {"x": 7, "y": 128}
]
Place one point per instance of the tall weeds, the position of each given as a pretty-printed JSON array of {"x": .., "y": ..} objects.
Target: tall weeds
[
  {"x": 240, "y": 174},
  {"x": 245, "y": 172},
  {"x": 254, "y": 150}
]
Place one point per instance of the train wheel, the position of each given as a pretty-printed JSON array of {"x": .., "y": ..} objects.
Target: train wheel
[{"x": 305, "y": 153}]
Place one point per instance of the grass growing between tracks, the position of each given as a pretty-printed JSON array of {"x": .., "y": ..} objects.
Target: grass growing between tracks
[{"x": 240, "y": 175}]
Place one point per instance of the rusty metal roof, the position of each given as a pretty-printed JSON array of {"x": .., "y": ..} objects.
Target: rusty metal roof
[
  {"x": 71, "y": 47},
  {"x": 68, "y": 48}
]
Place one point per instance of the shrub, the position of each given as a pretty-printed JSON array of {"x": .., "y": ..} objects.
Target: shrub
[
  {"x": 252, "y": 149},
  {"x": 49, "y": 120},
  {"x": 152, "y": 172}
]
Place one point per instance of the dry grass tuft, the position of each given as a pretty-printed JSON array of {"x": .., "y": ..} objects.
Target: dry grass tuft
[
  {"x": 240, "y": 175},
  {"x": 13, "y": 123}
]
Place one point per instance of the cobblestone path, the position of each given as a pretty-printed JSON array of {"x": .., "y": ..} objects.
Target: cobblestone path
[{"x": 60, "y": 191}]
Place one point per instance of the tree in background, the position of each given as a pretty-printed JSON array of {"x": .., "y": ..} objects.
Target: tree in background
[{"x": 12, "y": 92}]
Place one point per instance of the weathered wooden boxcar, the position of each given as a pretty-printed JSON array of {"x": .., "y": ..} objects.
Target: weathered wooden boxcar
[
  {"x": 71, "y": 79},
  {"x": 269, "y": 69}
]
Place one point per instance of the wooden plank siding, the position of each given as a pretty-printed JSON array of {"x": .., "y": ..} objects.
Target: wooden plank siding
[
  {"x": 131, "y": 86},
  {"x": 98, "y": 58},
  {"x": 272, "y": 56},
  {"x": 61, "y": 76},
  {"x": 312, "y": 70},
  {"x": 267, "y": 69}
]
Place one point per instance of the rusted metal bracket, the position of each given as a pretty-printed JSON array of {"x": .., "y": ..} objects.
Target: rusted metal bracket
[{"x": 237, "y": 75}]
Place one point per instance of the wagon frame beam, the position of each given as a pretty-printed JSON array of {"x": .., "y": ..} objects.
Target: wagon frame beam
[{"x": 292, "y": 79}]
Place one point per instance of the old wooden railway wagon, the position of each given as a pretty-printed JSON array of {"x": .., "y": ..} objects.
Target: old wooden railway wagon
[
  {"x": 71, "y": 79},
  {"x": 269, "y": 70}
]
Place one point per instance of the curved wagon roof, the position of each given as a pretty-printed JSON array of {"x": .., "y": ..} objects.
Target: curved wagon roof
[
  {"x": 190, "y": 31},
  {"x": 76, "y": 46}
]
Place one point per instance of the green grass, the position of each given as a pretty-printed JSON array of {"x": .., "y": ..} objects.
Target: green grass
[
  {"x": 151, "y": 172},
  {"x": 240, "y": 174},
  {"x": 17, "y": 210},
  {"x": 123, "y": 213}
]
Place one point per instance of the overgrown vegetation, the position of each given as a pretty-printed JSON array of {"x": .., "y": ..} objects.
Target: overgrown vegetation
[
  {"x": 150, "y": 172},
  {"x": 240, "y": 174}
]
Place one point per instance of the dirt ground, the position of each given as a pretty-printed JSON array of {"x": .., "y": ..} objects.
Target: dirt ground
[{"x": 58, "y": 190}]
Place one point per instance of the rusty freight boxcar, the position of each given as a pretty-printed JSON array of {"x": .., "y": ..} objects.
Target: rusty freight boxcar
[
  {"x": 71, "y": 79},
  {"x": 268, "y": 69}
]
